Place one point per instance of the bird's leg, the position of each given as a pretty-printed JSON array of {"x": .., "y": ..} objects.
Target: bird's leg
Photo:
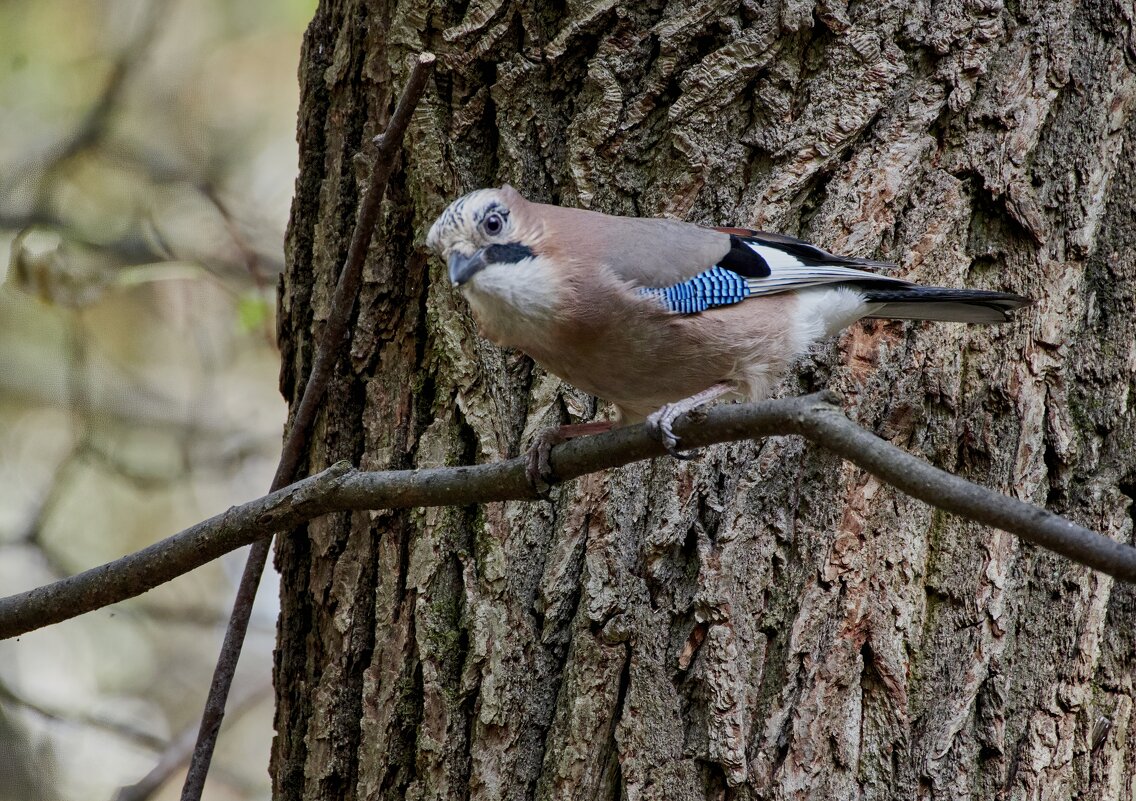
[
  {"x": 538, "y": 467},
  {"x": 661, "y": 420}
]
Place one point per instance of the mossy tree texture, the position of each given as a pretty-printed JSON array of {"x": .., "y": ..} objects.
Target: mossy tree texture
[{"x": 764, "y": 622}]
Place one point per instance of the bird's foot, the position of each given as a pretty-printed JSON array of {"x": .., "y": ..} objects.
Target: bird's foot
[
  {"x": 538, "y": 460},
  {"x": 659, "y": 424},
  {"x": 660, "y": 421}
]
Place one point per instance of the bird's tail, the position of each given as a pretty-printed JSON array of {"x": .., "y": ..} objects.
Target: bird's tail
[{"x": 944, "y": 305}]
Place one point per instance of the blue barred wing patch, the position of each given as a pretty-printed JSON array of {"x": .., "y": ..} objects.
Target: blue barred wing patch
[{"x": 714, "y": 287}]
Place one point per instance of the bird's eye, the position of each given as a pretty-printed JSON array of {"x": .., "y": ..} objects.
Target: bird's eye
[{"x": 493, "y": 224}]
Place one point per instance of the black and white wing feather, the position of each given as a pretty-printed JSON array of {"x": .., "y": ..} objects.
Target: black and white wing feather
[
  {"x": 796, "y": 264},
  {"x": 760, "y": 263}
]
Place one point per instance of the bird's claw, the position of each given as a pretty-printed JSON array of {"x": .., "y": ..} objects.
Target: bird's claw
[
  {"x": 660, "y": 424},
  {"x": 538, "y": 461}
]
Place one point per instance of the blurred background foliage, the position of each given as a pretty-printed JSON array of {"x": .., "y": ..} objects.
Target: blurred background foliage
[{"x": 147, "y": 157}]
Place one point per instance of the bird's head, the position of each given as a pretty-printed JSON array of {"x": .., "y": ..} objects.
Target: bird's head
[{"x": 481, "y": 230}]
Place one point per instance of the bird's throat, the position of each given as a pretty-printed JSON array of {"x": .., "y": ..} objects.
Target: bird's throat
[{"x": 514, "y": 304}]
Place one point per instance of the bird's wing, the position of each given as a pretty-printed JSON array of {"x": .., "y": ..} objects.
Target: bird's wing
[
  {"x": 657, "y": 254},
  {"x": 790, "y": 264},
  {"x": 796, "y": 264},
  {"x": 644, "y": 251}
]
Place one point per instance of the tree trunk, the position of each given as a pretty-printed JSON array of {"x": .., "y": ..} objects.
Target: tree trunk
[{"x": 766, "y": 621}]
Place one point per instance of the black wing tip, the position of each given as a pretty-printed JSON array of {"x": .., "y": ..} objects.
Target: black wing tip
[
  {"x": 1003, "y": 304},
  {"x": 938, "y": 293}
]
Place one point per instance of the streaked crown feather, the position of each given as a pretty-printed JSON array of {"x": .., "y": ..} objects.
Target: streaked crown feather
[{"x": 459, "y": 227}]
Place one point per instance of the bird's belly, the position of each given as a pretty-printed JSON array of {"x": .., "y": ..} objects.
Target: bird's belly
[
  {"x": 643, "y": 360},
  {"x": 637, "y": 385}
]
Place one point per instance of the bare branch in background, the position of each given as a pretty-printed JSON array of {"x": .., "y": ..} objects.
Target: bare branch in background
[
  {"x": 178, "y": 751},
  {"x": 93, "y": 126},
  {"x": 342, "y": 488},
  {"x": 128, "y": 248},
  {"x": 32, "y": 533},
  {"x": 135, "y": 249},
  {"x": 104, "y": 200},
  {"x": 91, "y": 133},
  {"x": 113, "y": 727}
]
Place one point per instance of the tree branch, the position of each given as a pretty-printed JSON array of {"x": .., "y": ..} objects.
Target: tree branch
[{"x": 343, "y": 488}]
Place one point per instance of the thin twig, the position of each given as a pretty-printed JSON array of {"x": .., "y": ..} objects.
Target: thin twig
[
  {"x": 296, "y": 442},
  {"x": 248, "y": 254},
  {"x": 389, "y": 145},
  {"x": 342, "y": 488}
]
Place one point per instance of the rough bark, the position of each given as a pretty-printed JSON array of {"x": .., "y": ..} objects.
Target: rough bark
[{"x": 765, "y": 622}]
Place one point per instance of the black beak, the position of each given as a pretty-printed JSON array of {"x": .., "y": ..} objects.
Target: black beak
[{"x": 463, "y": 268}]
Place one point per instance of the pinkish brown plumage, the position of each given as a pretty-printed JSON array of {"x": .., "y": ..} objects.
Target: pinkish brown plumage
[{"x": 647, "y": 313}]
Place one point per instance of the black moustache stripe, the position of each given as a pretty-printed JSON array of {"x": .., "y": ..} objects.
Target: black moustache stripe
[{"x": 507, "y": 254}]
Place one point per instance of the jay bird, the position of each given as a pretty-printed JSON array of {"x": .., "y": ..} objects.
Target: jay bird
[{"x": 659, "y": 316}]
